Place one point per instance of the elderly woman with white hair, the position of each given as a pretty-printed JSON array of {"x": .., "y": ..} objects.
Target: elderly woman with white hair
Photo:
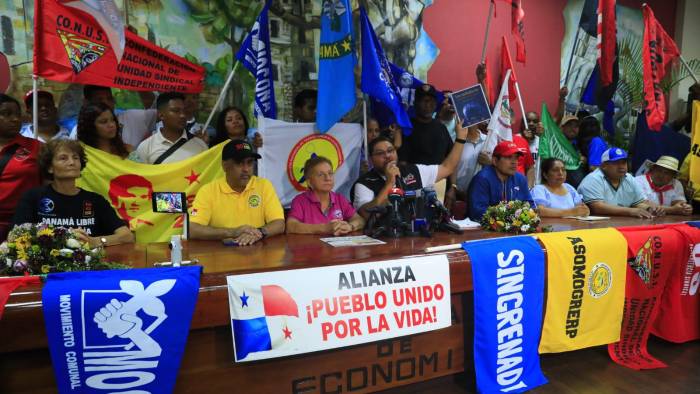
[{"x": 661, "y": 187}]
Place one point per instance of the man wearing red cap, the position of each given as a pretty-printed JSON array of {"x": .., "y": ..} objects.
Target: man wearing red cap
[{"x": 498, "y": 182}]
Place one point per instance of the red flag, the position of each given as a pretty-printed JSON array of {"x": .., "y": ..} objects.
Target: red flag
[
  {"x": 652, "y": 251},
  {"x": 607, "y": 40},
  {"x": 8, "y": 285},
  {"x": 507, "y": 64},
  {"x": 107, "y": 15},
  {"x": 517, "y": 27},
  {"x": 658, "y": 51},
  {"x": 70, "y": 46}
]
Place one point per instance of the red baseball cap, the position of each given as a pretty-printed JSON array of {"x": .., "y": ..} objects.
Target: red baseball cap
[{"x": 507, "y": 148}]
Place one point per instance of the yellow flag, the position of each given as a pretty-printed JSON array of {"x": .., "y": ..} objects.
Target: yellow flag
[
  {"x": 695, "y": 148},
  {"x": 128, "y": 187},
  {"x": 585, "y": 288}
]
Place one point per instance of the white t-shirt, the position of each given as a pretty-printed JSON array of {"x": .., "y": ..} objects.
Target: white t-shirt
[
  {"x": 154, "y": 146},
  {"x": 674, "y": 194},
  {"x": 363, "y": 194}
]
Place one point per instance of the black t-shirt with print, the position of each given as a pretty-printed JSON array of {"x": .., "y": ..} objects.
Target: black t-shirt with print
[{"x": 86, "y": 210}]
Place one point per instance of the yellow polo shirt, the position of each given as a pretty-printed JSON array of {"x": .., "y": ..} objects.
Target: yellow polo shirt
[{"x": 217, "y": 205}]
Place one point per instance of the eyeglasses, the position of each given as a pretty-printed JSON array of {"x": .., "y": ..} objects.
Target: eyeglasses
[{"x": 388, "y": 152}]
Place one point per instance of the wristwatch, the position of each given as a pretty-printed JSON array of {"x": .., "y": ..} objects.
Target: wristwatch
[
  {"x": 103, "y": 241},
  {"x": 263, "y": 231}
]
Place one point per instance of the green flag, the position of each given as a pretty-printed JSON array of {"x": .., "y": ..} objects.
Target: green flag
[{"x": 553, "y": 143}]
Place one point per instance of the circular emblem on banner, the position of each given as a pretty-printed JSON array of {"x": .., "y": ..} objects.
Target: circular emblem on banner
[
  {"x": 46, "y": 205},
  {"x": 311, "y": 146},
  {"x": 254, "y": 201},
  {"x": 600, "y": 280}
]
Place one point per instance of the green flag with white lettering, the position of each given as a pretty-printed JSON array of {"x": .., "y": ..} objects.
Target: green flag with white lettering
[{"x": 553, "y": 143}]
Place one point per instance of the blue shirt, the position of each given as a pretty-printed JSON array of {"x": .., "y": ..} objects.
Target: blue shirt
[
  {"x": 487, "y": 189},
  {"x": 596, "y": 187},
  {"x": 543, "y": 197}
]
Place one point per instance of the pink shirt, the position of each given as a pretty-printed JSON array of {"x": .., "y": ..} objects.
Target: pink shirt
[{"x": 307, "y": 209}]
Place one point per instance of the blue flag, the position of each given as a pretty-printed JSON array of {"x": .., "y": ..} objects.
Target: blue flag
[
  {"x": 255, "y": 55},
  {"x": 650, "y": 145},
  {"x": 336, "y": 78},
  {"x": 120, "y": 330},
  {"x": 508, "y": 278},
  {"x": 377, "y": 79}
]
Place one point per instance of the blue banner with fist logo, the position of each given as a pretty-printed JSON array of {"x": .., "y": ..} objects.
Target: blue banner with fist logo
[{"x": 120, "y": 330}]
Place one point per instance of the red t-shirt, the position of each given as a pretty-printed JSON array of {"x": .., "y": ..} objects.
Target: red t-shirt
[
  {"x": 20, "y": 174},
  {"x": 525, "y": 161}
]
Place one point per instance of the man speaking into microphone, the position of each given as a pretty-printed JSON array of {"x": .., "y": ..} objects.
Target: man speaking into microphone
[{"x": 372, "y": 189}]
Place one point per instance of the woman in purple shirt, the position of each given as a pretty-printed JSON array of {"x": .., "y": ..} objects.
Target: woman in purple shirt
[{"x": 319, "y": 210}]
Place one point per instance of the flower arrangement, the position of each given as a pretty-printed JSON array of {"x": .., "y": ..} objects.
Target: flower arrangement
[
  {"x": 511, "y": 217},
  {"x": 37, "y": 249}
]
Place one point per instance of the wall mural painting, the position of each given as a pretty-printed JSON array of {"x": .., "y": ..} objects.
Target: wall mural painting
[{"x": 210, "y": 32}]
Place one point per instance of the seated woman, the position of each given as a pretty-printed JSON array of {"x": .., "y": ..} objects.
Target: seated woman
[
  {"x": 320, "y": 210},
  {"x": 232, "y": 124},
  {"x": 62, "y": 203},
  {"x": 98, "y": 127},
  {"x": 19, "y": 165},
  {"x": 554, "y": 197}
]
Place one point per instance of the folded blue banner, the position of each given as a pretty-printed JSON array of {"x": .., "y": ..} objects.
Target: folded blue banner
[
  {"x": 121, "y": 330},
  {"x": 336, "y": 64},
  {"x": 255, "y": 55},
  {"x": 508, "y": 278}
]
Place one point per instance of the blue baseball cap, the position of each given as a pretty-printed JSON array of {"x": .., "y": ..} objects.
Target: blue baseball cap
[{"x": 613, "y": 154}]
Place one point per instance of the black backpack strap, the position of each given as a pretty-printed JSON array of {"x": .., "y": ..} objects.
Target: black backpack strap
[
  {"x": 6, "y": 156},
  {"x": 173, "y": 148}
]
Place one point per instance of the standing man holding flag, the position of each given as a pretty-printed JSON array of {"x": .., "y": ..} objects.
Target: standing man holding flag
[{"x": 336, "y": 79}]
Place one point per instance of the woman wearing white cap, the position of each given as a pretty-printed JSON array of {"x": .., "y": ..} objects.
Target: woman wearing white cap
[{"x": 661, "y": 188}]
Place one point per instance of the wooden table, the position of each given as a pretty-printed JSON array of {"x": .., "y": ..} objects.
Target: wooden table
[{"x": 208, "y": 366}]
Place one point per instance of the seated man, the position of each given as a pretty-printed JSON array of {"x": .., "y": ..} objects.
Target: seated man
[
  {"x": 47, "y": 118},
  {"x": 372, "y": 188},
  {"x": 660, "y": 187},
  {"x": 172, "y": 142},
  {"x": 498, "y": 182},
  {"x": 240, "y": 205},
  {"x": 611, "y": 191}
]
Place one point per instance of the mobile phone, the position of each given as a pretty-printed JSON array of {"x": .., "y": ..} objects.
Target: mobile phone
[
  {"x": 229, "y": 242},
  {"x": 169, "y": 202}
]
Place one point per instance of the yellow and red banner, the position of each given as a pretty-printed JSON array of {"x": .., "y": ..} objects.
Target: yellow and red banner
[
  {"x": 71, "y": 46},
  {"x": 585, "y": 289},
  {"x": 694, "y": 169},
  {"x": 129, "y": 186}
]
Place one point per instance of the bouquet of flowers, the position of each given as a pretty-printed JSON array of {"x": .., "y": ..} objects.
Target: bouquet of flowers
[
  {"x": 511, "y": 217},
  {"x": 37, "y": 249}
]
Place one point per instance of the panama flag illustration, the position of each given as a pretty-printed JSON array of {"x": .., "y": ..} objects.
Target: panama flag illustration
[{"x": 263, "y": 318}]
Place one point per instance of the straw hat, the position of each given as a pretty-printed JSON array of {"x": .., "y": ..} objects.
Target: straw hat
[
  {"x": 668, "y": 162},
  {"x": 568, "y": 118}
]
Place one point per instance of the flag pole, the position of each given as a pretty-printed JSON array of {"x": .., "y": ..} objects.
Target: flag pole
[
  {"x": 221, "y": 95},
  {"x": 35, "y": 107},
  {"x": 486, "y": 34},
  {"x": 687, "y": 67},
  {"x": 364, "y": 129}
]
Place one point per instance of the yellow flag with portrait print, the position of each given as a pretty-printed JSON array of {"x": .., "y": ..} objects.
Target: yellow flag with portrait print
[
  {"x": 586, "y": 274},
  {"x": 694, "y": 154},
  {"x": 128, "y": 186}
]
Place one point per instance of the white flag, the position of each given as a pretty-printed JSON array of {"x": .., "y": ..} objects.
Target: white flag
[
  {"x": 501, "y": 120},
  {"x": 288, "y": 145}
]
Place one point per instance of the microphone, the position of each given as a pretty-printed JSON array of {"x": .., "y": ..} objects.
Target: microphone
[
  {"x": 431, "y": 199},
  {"x": 396, "y": 198}
]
